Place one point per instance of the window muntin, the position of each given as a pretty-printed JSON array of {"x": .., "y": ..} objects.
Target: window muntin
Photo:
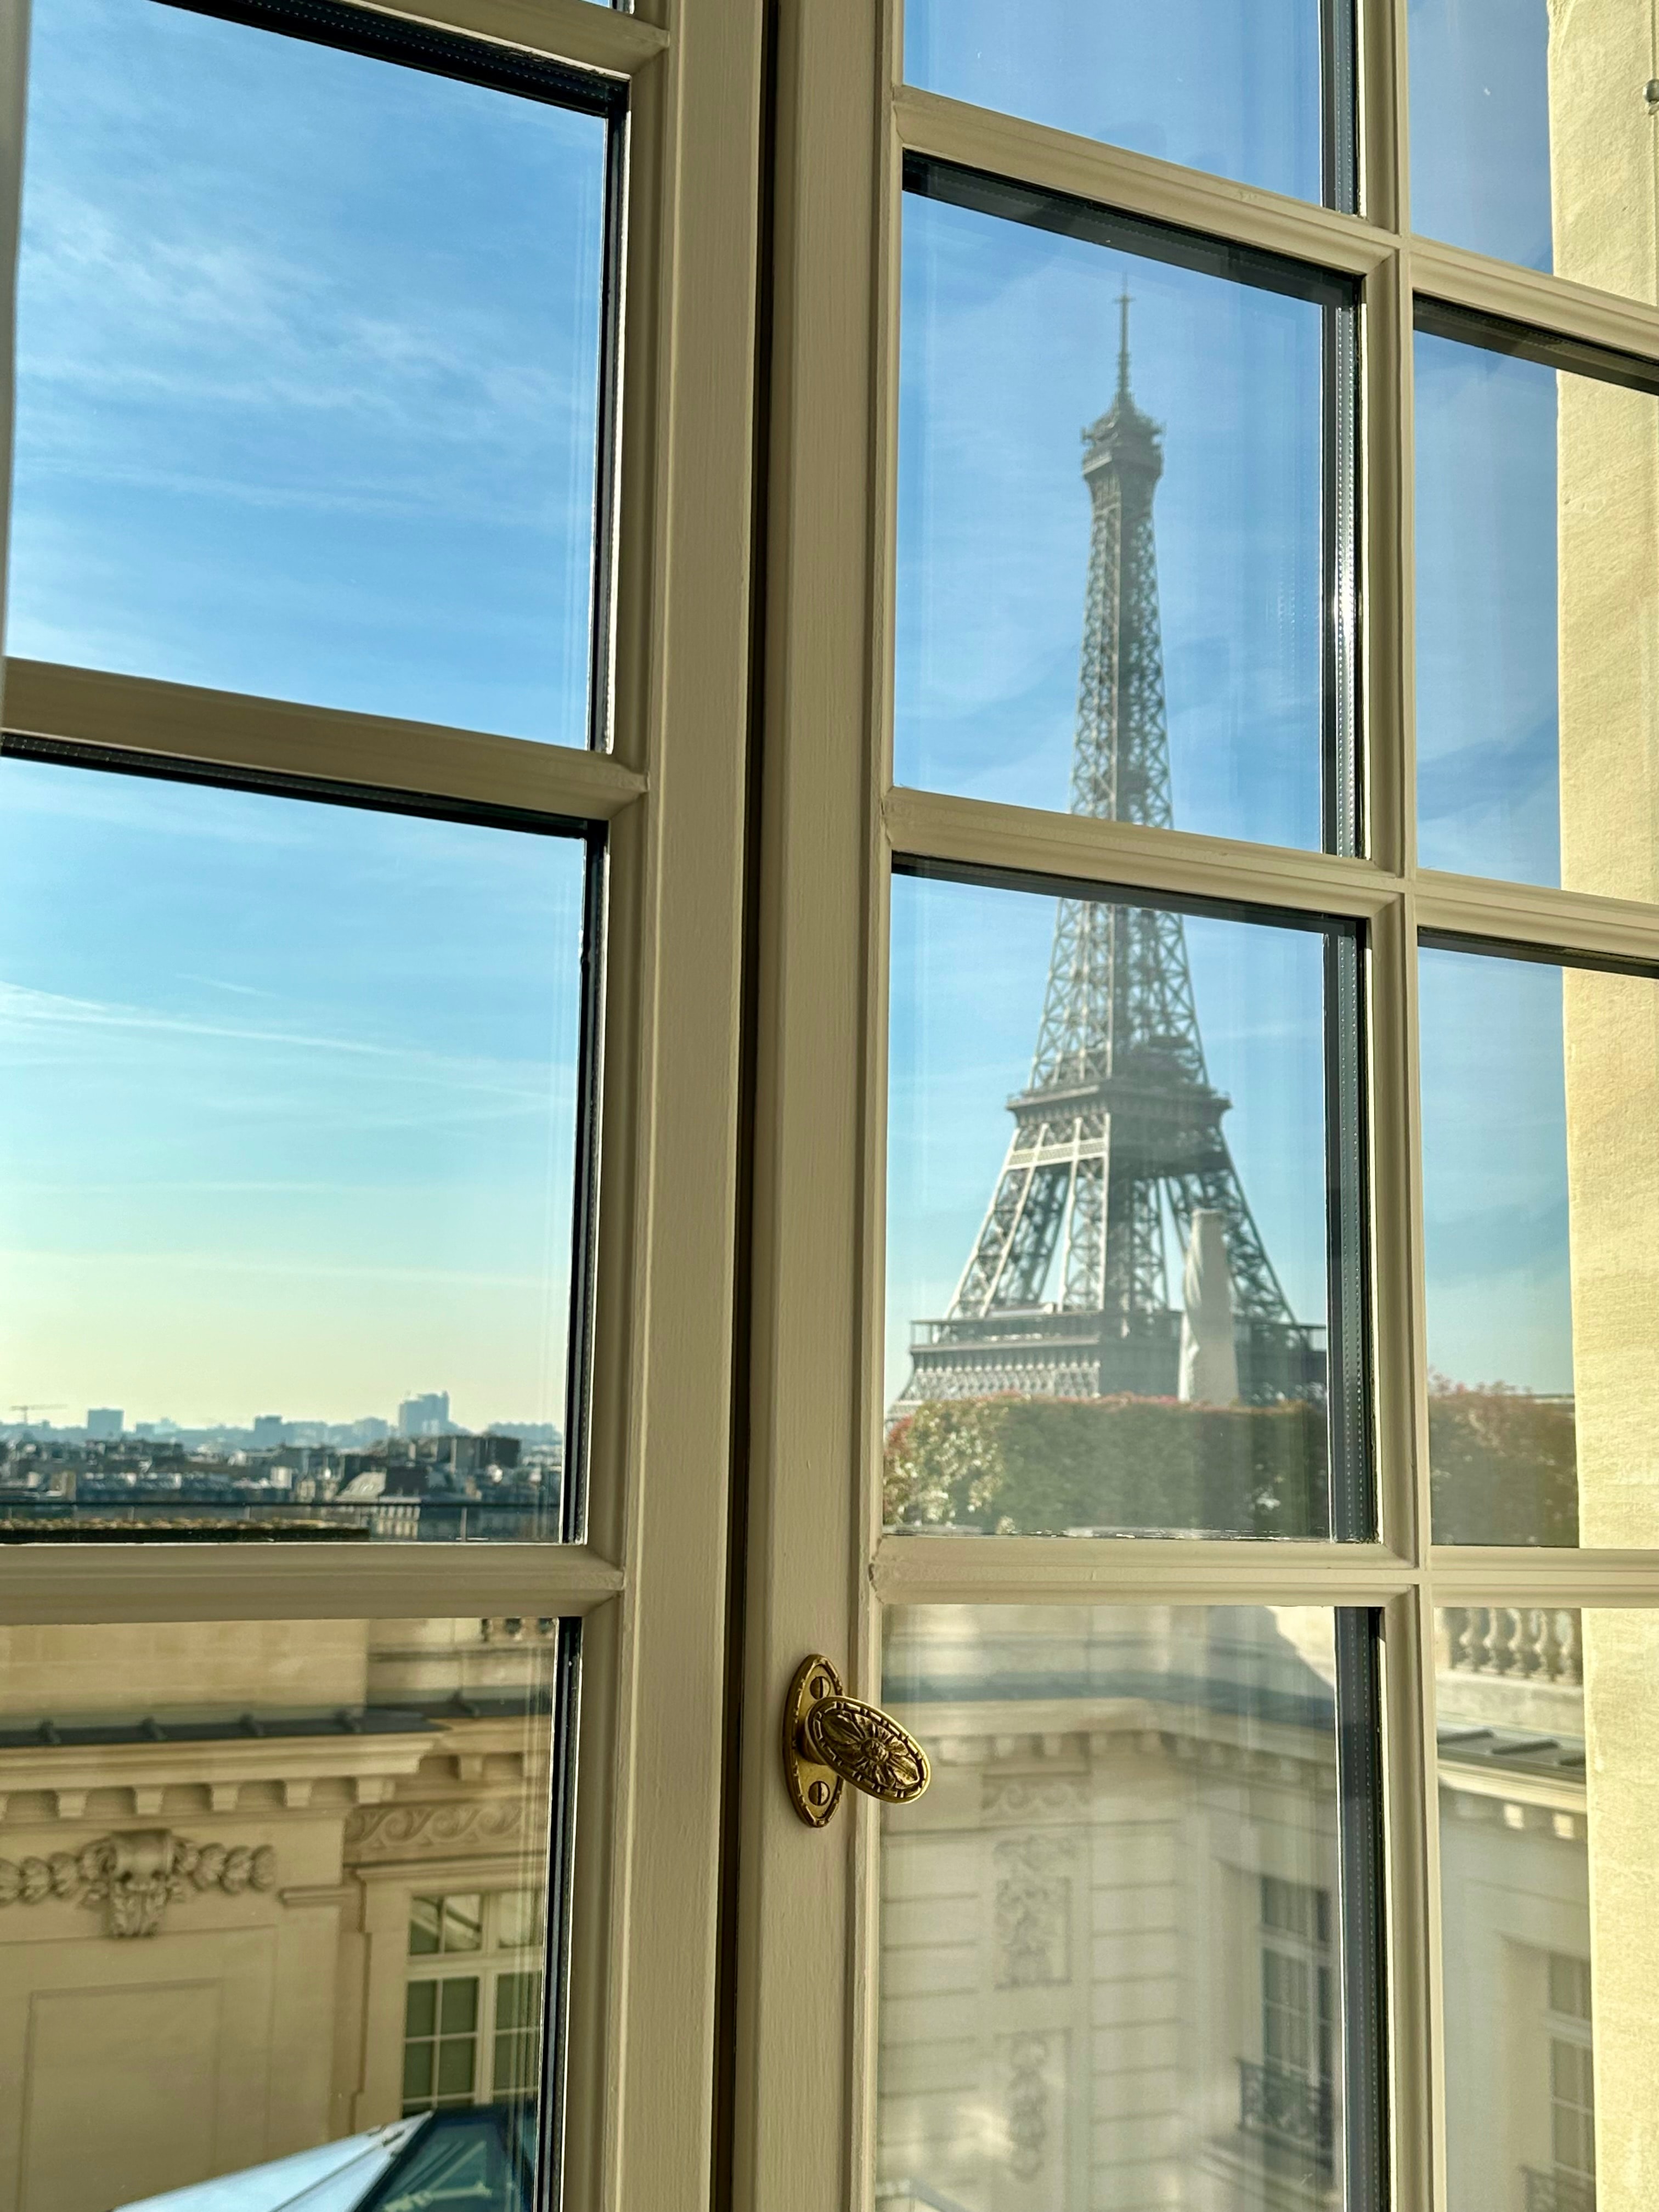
[
  {"x": 1078, "y": 390},
  {"x": 311, "y": 397},
  {"x": 306, "y": 1106},
  {"x": 1147, "y": 79}
]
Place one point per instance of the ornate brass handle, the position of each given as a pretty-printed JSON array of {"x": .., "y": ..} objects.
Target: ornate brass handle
[{"x": 829, "y": 1738}]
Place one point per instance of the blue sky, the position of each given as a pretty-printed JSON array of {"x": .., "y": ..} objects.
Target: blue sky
[
  {"x": 1231, "y": 86},
  {"x": 306, "y": 407},
  {"x": 1488, "y": 783},
  {"x": 1480, "y": 125},
  {"x": 289, "y": 1115},
  {"x": 308, "y": 373},
  {"x": 1495, "y": 1169},
  {"x": 1009, "y": 347}
]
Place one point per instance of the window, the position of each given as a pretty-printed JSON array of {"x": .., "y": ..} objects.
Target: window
[
  {"x": 833, "y": 850},
  {"x": 1235, "y": 558},
  {"x": 1289, "y": 2096},
  {"x": 367, "y": 627},
  {"x": 472, "y": 2026}
]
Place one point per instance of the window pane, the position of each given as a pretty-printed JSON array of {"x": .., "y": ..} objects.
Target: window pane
[
  {"x": 1539, "y": 1085},
  {"x": 214, "y": 1835},
  {"x": 308, "y": 373},
  {"x": 515, "y": 1920},
  {"x": 1532, "y": 134},
  {"x": 518, "y": 2033},
  {"x": 1548, "y": 1730},
  {"x": 1070, "y": 507},
  {"x": 463, "y": 1925},
  {"x": 1537, "y": 588},
  {"x": 1080, "y": 2004},
  {"x": 1229, "y": 86},
  {"x": 288, "y": 1119},
  {"x": 1114, "y": 1315}
]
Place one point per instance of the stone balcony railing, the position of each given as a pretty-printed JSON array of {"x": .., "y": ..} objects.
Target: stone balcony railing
[{"x": 1525, "y": 1643}]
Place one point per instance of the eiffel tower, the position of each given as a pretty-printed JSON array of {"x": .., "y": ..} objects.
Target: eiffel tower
[{"x": 1065, "y": 1292}]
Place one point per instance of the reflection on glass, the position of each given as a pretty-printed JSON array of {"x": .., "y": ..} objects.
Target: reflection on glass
[
  {"x": 308, "y": 359},
  {"x": 1537, "y": 587},
  {"x": 1548, "y": 1732},
  {"x": 1151, "y": 79},
  {"x": 1532, "y": 134},
  {"x": 1116, "y": 1340},
  {"x": 288, "y": 1127},
  {"x": 1540, "y": 1087},
  {"x": 1110, "y": 520},
  {"x": 1110, "y": 1954},
  {"x": 283, "y": 1812}
]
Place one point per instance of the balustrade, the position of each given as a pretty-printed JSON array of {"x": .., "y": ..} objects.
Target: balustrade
[{"x": 1527, "y": 1642}]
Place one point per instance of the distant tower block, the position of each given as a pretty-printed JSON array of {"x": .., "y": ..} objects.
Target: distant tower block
[
  {"x": 105, "y": 1424},
  {"x": 1065, "y": 1292}
]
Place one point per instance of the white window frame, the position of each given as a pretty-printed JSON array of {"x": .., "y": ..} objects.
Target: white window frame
[{"x": 819, "y": 1569}]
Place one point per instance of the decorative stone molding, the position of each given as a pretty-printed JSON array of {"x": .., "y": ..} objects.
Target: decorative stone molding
[
  {"x": 386, "y": 1831},
  {"x": 1027, "y": 2105},
  {"x": 1033, "y": 1909},
  {"x": 136, "y": 1874},
  {"x": 1035, "y": 1797}
]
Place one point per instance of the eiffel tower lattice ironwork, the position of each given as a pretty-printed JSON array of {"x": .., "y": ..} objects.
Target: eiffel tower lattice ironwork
[{"x": 1065, "y": 1293}]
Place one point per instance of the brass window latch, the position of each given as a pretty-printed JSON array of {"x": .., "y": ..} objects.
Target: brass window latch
[{"x": 829, "y": 1738}]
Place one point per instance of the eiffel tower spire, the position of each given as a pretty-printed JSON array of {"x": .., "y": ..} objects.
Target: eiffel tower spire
[{"x": 1064, "y": 1293}]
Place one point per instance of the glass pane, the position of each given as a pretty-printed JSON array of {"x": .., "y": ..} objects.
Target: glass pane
[
  {"x": 518, "y": 2033},
  {"x": 457, "y": 2052},
  {"x": 1541, "y": 1250},
  {"x": 1532, "y": 134},
  {"x": 1549, "y": 1729},
  {"x": 215, "y": 1835},
  {"x": 1229, "y": 86},
  {"x": 463, "y": 1924},
  {"x": 1537, "y": 588},
  {"x": 308, "y": 373},
  {"x": 288, "y": 1119},
  {"x": 425, "y": 1927},
  {"x": 515, "y": 1920},
  {"x": 1082, "y": 2001},
  {"x": 1090, "y": 485},
  {"x": 1114, "y": 1316}
]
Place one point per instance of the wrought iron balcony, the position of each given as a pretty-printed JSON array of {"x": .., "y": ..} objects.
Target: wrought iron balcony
[
  {"x": 1285, "y": 2108},
  {"x": 1558, "y": 2192}
]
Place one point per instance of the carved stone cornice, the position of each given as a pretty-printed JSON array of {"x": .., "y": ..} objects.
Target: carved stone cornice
[
  {"x": 136, "y": 1874},
  {"x": 405, "y": 1831},
  {"x": 368, "y": 1767}
]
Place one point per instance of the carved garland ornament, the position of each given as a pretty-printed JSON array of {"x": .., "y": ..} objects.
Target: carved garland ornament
[{"x": 137, "y": 1874}]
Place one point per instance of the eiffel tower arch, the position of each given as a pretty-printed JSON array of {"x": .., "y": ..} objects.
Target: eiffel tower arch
[{"x": 1119, "y": 1129}]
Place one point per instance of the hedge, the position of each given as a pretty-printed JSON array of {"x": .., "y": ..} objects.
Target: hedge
[{"x": 1502, "y": 1466}]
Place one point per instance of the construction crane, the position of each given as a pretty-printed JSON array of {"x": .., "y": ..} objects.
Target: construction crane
[{"x": 36, "y": 1406}]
